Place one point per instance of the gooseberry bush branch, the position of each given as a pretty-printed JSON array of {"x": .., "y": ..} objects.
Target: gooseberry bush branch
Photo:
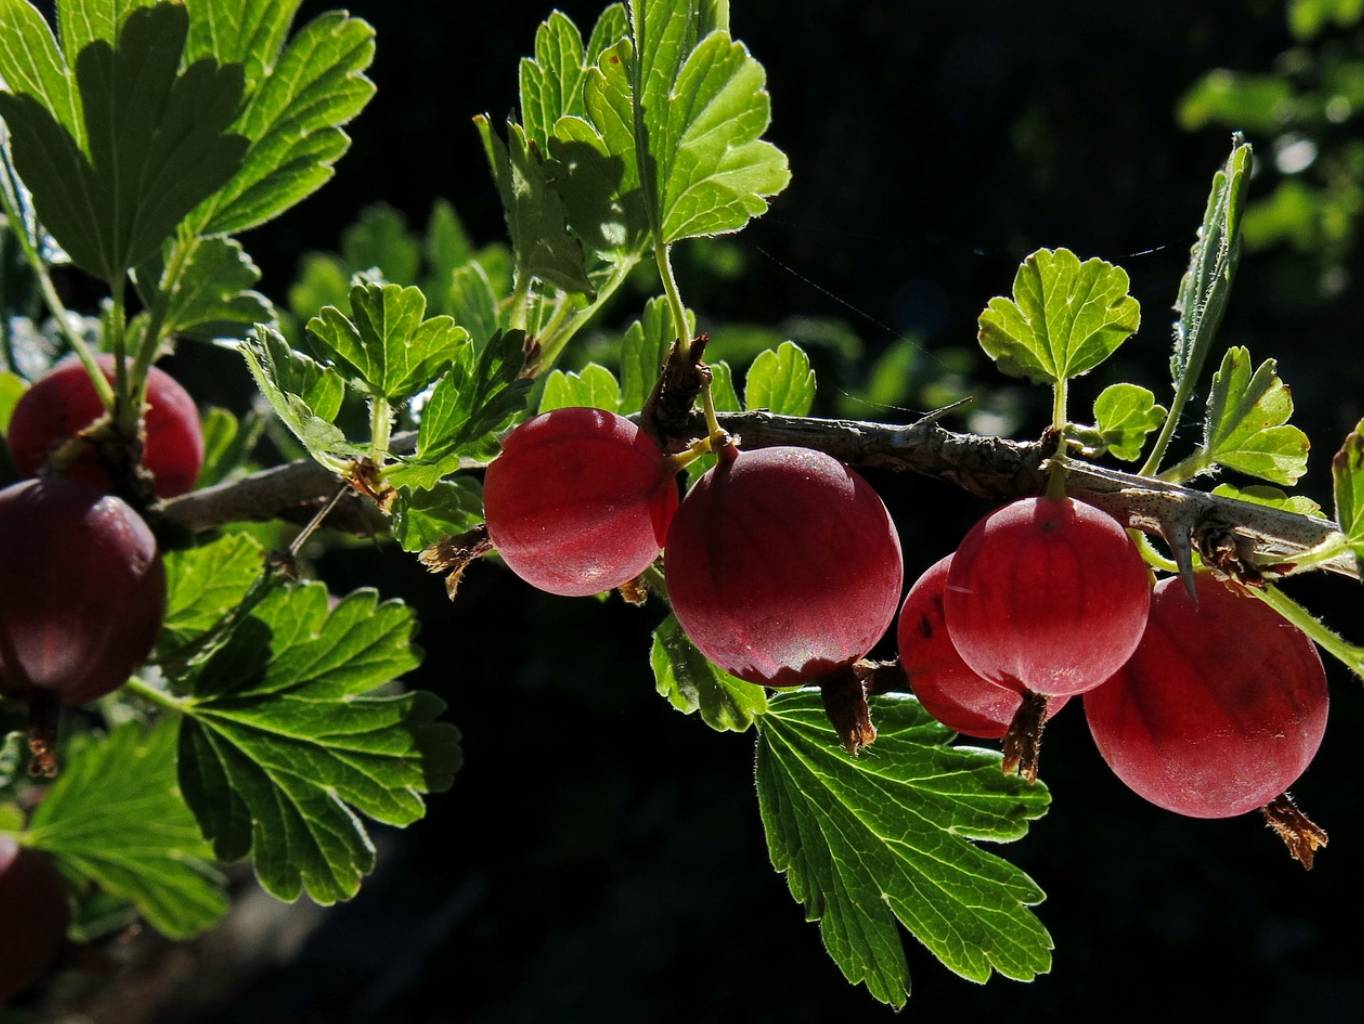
[{"x": 270, "y": 717}]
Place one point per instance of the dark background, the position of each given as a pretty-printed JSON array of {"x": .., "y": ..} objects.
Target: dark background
[{"x": 600, "y": 856}]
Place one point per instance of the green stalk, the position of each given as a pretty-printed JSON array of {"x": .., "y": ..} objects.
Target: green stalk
[
  {"x": 125, "y": 413},
  {"x": 1167, "y": 430},
  {"x": 55, "y": 307},
  {"x": 152, "y": 695},
  {"x": 1056, "y": 478},
  {"x": 663, "y": 257},
  {"x": 181, "y": 252},
  {"x": 1350, "y": 655},
  {"x": 1188, "y": 469},
  {"x": 516, "y": 316},
  {"x": 557, "y": 336},
  {"x": 380, "y": 429}
]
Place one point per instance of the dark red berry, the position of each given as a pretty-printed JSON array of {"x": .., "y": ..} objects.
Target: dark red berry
[
  {"x": 579, "y": 501},
  {"x": 64, "y": 402},
  {"x": 83, "y": 595},
  {"x": 1220, "y": 709},
  {"x": 783, "y": 565},
  {"x": 33, "y": 917},
  {"x": 945, "y": 685},
  {"x": 1047, "y": 595}
]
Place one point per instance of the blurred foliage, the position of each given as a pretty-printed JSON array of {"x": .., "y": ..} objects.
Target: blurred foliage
[{"x": 1303, "y": 112}]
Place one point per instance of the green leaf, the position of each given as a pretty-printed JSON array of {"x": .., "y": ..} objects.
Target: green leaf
[
  {"x": 211, "y": 298},
  {"x": 203, "y": 584},
  {"x": 12, "y": 388},
  {"x": 1308, "y": 17},
  {"x": 293, "y": 120},
  {"x": 227, "y": 444},
  {"x": 447, "y": 246},
  {"x": 481, "y": 395},
  {"x": 643, "y": 351},
  {"x": 1246, "y": 427},
  {"x": 112, "y": 180},
  {"x": 865, "y": 841},
  {"x": 691, "y": 683},
  {"x": 473, "y": 303},
  {"x": 385, "y": 343},
  {"x": 1263, "y": 494},
  {"x": 304, "y": 394},
  {"x": 781, "y": 380},
  {"x": 1245, "y": 102},
  {"x": 246, "y": 32},
  {"x": 379, "y": 239},
  {"x": 1123, "y": 415},
  {"x": 682, "y": 107},
  {"x": 1065, "y": 317},
  {"x": 1216, "y": 253},
  {"x": 536, "y": 218},
  {"x": 1347, "y": 475},
  {"x": 594, "y": 387},
  {"x": 722, "y": 388},
  {"x": 552, "y": 80},
  {"x": 116, "y": 818},
  {"x": 284, "y": 740},
  {"x": 422, "y": 517},
  {"x": 322, "y": 281}
]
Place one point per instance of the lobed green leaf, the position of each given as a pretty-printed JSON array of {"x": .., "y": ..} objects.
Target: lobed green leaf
[
  {"x": 116, "y": 818},
  {"x": 422, "y": 517},
  {"x": 1124, "y": 414},
  {"x": 284, "y": 739},
  {"x": 292, "y": 118},
  {"x": 385, "y": 346},
  {"x": 112, "y": 179},
  {"x": 482, "y": 394},
  {"x": 866, "y": 841},
  {"x": 593, "y": 387},
  {"x": 1272, "y": 497},
  {"x": 305, "y": 394},
  {"x": 781, "y": 381},
  {"x": 1065, "y": 317},
  {"x": 205, "y": 583},
  {"x": 1246, "y": 427},
  {"x": 211, "y": 297},
  {"x": 691, "y": 684},
  {"x": 1347, "y": 475}
]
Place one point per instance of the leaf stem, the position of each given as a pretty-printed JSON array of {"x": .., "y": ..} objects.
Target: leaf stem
[
  {"x": 125, "y": 413},
  {"x": 55, "y": 306},
  {"x": 1056, "y": 476},
  {"x": 1188, "y": 469},
  {"x": 182, "y": 251},
  {"x": 665, "y": 270},
  {"x": 557, "y": 337},
  {"x": 1350, "y": 655},
  {"x": 380, "y": 430},
  {"x": 152, "y": 695},
  {"x": 516, "y": 314}
]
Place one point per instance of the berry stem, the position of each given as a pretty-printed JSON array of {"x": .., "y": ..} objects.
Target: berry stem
[
  {"x": 1350, "y": 655},
  {"x": 53, "y": 300}
]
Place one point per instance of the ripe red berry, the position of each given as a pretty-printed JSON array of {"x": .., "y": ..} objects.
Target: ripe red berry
[
  {"x": 945, "y": 685},
  {"x": 64, "y": 402},
  {"x": 1221, "y": 708},
  {"x": 783, "y": 565},
  {"x": 84, "y": 591},
  {"x": 33, "y": 917},
  {"x": 579, "y": 501},
  {"x": 1048, "y": 595}
]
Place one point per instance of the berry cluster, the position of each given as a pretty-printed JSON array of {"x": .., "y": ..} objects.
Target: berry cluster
[
  {"x": 85, "y": 589},
  {"x": 783, "y": 567}
]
